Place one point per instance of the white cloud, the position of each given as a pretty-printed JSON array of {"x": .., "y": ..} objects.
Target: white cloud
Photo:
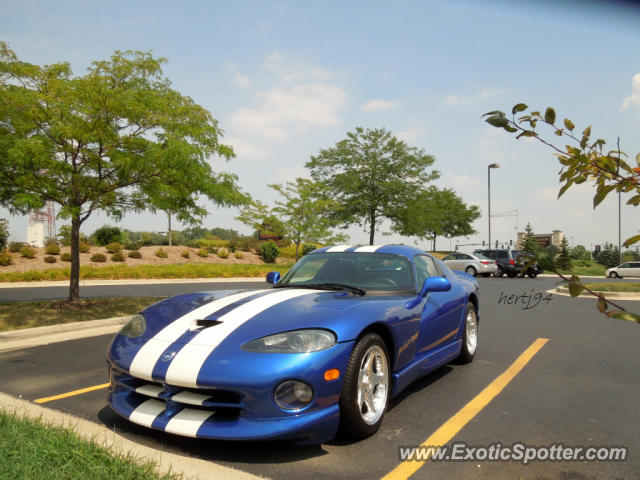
[
  {"x": 634, "y": 98},
  {"x": 455, "y": 100},
  {"x": 378, "y": 104},
  {"x": 299, "y": 97},
  {"x": 245, "y": 150},
  {"x": 242, "y": 80},
  {"x": 464, "y": 181}
]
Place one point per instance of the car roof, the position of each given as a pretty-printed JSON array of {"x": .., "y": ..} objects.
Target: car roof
[{"x": 395, "y": 249}]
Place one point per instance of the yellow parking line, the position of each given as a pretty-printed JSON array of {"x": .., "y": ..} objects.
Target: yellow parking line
[
  {"x": 71, "y": 394},
  {"x": 451, "y": 427}
]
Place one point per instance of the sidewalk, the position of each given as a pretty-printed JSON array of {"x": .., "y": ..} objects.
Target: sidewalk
[{"x": 131, "y": 281}]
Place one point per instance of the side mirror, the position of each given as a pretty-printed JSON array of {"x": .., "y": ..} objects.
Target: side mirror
[
  {"x": 431, "y": 284},
  {"x": 435, "y": 284},
  {"x": 273, "y": 277}
]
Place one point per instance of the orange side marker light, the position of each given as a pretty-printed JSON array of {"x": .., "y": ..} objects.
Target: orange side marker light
[{"x": 332, "y": 374}]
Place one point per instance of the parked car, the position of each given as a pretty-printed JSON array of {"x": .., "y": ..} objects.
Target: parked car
[
  {"x": 342, "y": 332},
  {"x": 627, "y": 269},
  {"x": 508, "y": 263},
  {"x": 473, "y": 264}
]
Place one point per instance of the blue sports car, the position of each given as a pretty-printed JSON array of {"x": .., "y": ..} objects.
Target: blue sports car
[{"x": 324, "y": 349}]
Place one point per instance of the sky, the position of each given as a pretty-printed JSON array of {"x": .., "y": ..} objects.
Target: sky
[{"x": 288, "y": 78}]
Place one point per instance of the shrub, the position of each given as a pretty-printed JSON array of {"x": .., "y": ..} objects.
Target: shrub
[
  {"x": 117, "y": 257},
  {"x": 105, "y": 235},
  {"x": 223, "y": 253},
  {"x": 161, "y": 253},
  {"x": 233, "y": 244},
  {"x": 52, "y": 249},
  {"x": 258, "y": 249},
  {"x": 135, "y": 254},
  {"x": 84, "y": 247},
  {"x": 203, "y": 252},
  {"x": 307, "y": 248},
  {"x": 14, "y": 247},
  {"x": 27, "y": 252},
  {"x": 239, "y": 256},
  {"x": 4, "y": 233},
  {"x": 246, "y": 244},
  {"x": 185, "y": 254},
  {"x": 5, "y": 258},
  {"x": 212, "y": 250},
  {"x": 270, "y": 252},
  {"x": 132, "y": 245},
  {"x": 99, "y": 257},
  {"x": 114, "y": 247},
  {"x": 50, "y": 259},
  {"x": 65, "y": 257}
]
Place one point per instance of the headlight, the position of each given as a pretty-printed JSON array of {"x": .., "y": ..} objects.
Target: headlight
[
  {"x": 297, "y": 341},
  {"x": 293, "y": 395},
  {"x": 136, "y": 327}
]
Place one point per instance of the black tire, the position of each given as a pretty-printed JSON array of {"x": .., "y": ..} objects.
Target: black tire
[
  {"x": 511, "y": 274},
  {"x": 614, "y": 275},
  {"x": 471, "y": 271},
  {"x": 532, "y": 274},
  {"x": 466, "y": 352},
  {"x": 352, "y": 421}
]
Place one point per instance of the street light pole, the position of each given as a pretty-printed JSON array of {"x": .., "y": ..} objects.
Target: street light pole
[{"x": 492, "y": 165}]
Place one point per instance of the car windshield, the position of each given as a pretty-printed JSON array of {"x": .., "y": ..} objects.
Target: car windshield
[
  {"x": 367, "y": 271},
  {"x": 481, "y": 256}
]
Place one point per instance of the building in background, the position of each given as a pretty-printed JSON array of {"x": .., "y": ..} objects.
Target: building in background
[{"x": 42, "y": 225}]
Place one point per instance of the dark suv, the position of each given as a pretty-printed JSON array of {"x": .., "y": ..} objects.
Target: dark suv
[{"x": 510, "y": 262}]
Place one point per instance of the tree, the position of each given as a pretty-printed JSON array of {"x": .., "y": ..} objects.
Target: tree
[
  {"x": 582, "y": 159},
  {"x": 432, "y": 213},
  {"x": 106, "y": 235},
  {"x": 116, "y": 139},
  {"x": 370, "y": 173},
  {"x": 579, "y": 252},
  {"x": 530, "y": 243},
  {"x": 4, "y": 233},
  {"x": 306, "y": 213},
  {"x": 256, "y": 215},
  {"x": 563, "y": 261}
]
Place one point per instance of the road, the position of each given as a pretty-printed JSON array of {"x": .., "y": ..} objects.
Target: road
[{"x": 580, "y": 389}]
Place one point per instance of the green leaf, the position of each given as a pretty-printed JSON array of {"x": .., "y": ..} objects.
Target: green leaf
[
  {"x": 550, "y": 116},
  {"x": 510, "y": 129},
  {"x": 493, "y": 112},
  {"x": 569, "y": 124},
  {"x": 527, "y": 133},
  {"x": 583, "y": 142},
  {"x": 497, "y": 121},
  {"x": 635, "y": 200},
  {"x": 520, "y": 107},
  {"x": 631, "y": 240},
  {"x": 558, "y": 132},
  {"x": 575, "y": 287},
  {"x": 602, "y": 304},
  {"x": 621, "y": 315},
  {"x": 587, "y": 131},
  {"x": 602, "y": 193},
  {"x": 564, "y": 188}
]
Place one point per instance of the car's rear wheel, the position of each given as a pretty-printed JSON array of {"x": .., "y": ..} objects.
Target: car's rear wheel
[
  {"x": 532, "y": 274},
  {"x": 365, "y": 391},
  {"x": 471, "y": 271},
  {"x": 470, "y": 336},
  {"x": 614, "y": 275}
]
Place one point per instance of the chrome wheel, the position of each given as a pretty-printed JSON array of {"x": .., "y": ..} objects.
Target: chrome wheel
[
  {"x": 471, "y": 332},
  {"x": 373, "y": 384}
]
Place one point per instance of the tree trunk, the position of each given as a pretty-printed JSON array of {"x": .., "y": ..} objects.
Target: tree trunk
[
  {"x": 169, "y": 215},
  {"x": 74, "y": 281},
  {"x": 297, "y": 249},
  {"x": 434, "y": 243},
  {"x": 372, "y": 226}
]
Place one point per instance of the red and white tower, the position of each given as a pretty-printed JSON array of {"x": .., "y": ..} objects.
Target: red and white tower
[{"x": 42, "y": 224}]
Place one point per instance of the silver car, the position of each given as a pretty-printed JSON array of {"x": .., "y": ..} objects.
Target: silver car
[
  {"x": 627, "y": 269},
  {"x": 473, "y": 264}
]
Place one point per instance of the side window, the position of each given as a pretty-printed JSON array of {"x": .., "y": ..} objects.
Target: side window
[
  {"x": 635, "y": 265},
  {"x": 425, "y": 267},
  {"x": 464, "y": 256},
  {"x": 625, "y": 265}
]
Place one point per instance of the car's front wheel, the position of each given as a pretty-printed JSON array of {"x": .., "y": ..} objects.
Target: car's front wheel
[
  {"x": 470, "y": 336},
  {"x": 365, "y": 391},
  {"x": 614, "y": 275},
  {"x": 471, "y": 271}
]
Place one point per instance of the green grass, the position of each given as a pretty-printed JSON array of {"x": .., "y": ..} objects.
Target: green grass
[
  {"x": 615, "y": 287},
  {"x": 594, "y": 269},
  {"x": 116, "y": 272},
  {"x": 19, "y": 315},
  {"x": 29, "y": 449}
]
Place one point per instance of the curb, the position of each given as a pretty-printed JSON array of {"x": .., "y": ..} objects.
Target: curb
[
  {"x": 192, "y": 468},
  {"x": 130, "y": 281},
  {"x": 631, "y": 296},
  {"x": 33, "y": 337}
]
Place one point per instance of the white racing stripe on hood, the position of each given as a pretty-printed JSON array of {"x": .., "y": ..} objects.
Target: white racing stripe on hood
[
  {"x": 339, "y": 248},
  {"x": 368, "y": 248},
  {"x": 186, "y": 365},
  {"x": 146, "y": 358}
]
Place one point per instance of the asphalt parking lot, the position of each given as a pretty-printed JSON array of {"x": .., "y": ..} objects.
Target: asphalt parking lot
[{"x": 579, "y": 389}]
